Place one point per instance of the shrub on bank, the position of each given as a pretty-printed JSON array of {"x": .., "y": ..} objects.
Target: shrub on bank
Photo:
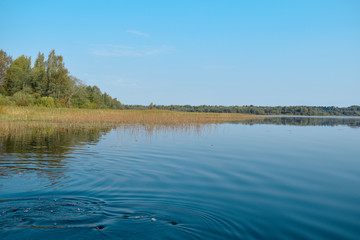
[
  {"x": 22, "y": 99},
  {"x": 80, "y": 103},
  {"x": 46, "y": 102},
  {"x": 5, "y": 100}
]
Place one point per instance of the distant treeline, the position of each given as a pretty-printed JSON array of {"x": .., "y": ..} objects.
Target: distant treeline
[
  {"x": 306, "y": 121},
  {"x": 259, "y": 110},
  {"x": 47, "y": 83}
]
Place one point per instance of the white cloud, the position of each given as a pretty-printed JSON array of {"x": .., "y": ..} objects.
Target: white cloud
[
  {"x": 128, "y": 51},
  {"x": 138, "y": 33}
]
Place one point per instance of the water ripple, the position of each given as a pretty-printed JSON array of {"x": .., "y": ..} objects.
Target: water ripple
[{"x": 126, "y": 216}]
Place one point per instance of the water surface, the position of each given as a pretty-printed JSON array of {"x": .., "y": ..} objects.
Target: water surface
[{"x": 280, "y": 179}]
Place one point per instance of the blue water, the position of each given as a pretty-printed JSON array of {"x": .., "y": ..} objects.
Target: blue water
[{"x": 224, "y": 181}]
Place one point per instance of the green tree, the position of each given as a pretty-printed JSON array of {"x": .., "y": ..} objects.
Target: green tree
[
  {"x": 57, "y": 75},
  {"x": 39, "y": 80},
  {"x": 18, "y": 75},
  {"x": 151, "y": 106},
  {"x": 5, "y": 62},
  {"x": 74, "y": 86},
  {"x": 95, "y": 96},
  {"x": 81, "y": 97}
]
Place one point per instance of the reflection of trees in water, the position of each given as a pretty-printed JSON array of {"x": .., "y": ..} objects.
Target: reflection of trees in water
[
  {"x": 43, "y": 150},
  {"x": 46, "y": 151},
  {"x": 304, "y": 121}
]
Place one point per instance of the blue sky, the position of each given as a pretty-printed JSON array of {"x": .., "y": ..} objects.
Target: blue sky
[{"x": 259, "y": 52}]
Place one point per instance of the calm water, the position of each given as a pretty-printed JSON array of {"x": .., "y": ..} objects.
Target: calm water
[{"x": 279, "y": 179}]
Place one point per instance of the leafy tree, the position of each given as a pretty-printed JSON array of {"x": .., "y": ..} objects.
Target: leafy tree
[
  {"x": 57, "y": 75},
  {"x": 116, "y": 104},
  {"x": 18, "y": 75},
  {"x": 39, "y": 80},
  {"x": 151, "y": 106},
  {"x": 5, "y": 62},
  {"x": 74, "y": 86},
  {"x": 95, "y": 96}
]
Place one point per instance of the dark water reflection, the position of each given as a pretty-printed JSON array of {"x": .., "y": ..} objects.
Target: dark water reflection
[
  {"x": 43, "y": 150},
  {"x": 255, "y": 180},
  {"x": 307, "y": 121}
]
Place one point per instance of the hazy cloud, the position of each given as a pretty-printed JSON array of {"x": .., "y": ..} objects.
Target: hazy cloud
[
  {"x": 138, "y": 33},
  {"x": 122, "y": 83},
  {"x": 218, "y": 67},
  {"x": 128, "y": 51}
]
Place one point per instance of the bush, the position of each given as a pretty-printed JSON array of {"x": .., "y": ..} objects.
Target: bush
[
  {"x": 90, "y": 105},
  {"x": 5, "y": 100},
  {"x": 22, "y": 99},
  {"x": 36, "y": 96},
  {"x": 2, "y": 110},
  {"x": 61, "y": 102},
  {"x": 47, "y": 102},
  {"x": 80, "y": 102}
]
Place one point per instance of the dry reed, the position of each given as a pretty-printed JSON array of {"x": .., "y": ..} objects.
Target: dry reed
[{"x": 19, "y": 118}]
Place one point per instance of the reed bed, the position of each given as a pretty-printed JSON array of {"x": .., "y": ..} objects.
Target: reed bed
[{"x": 19, "y": 118}]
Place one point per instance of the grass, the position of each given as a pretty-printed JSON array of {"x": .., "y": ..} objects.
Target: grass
[{"x": 17, "y": 118}]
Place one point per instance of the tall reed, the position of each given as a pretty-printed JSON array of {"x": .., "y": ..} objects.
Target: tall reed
[{"x": 17, "y": 118}]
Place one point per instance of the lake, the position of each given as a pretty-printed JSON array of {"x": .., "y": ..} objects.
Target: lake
[{"x": 278, "y": 178}]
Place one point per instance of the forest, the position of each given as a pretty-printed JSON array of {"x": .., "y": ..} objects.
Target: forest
[
  {"x": 48, "y": 83},
  {"x": 262, "y": 110}
]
